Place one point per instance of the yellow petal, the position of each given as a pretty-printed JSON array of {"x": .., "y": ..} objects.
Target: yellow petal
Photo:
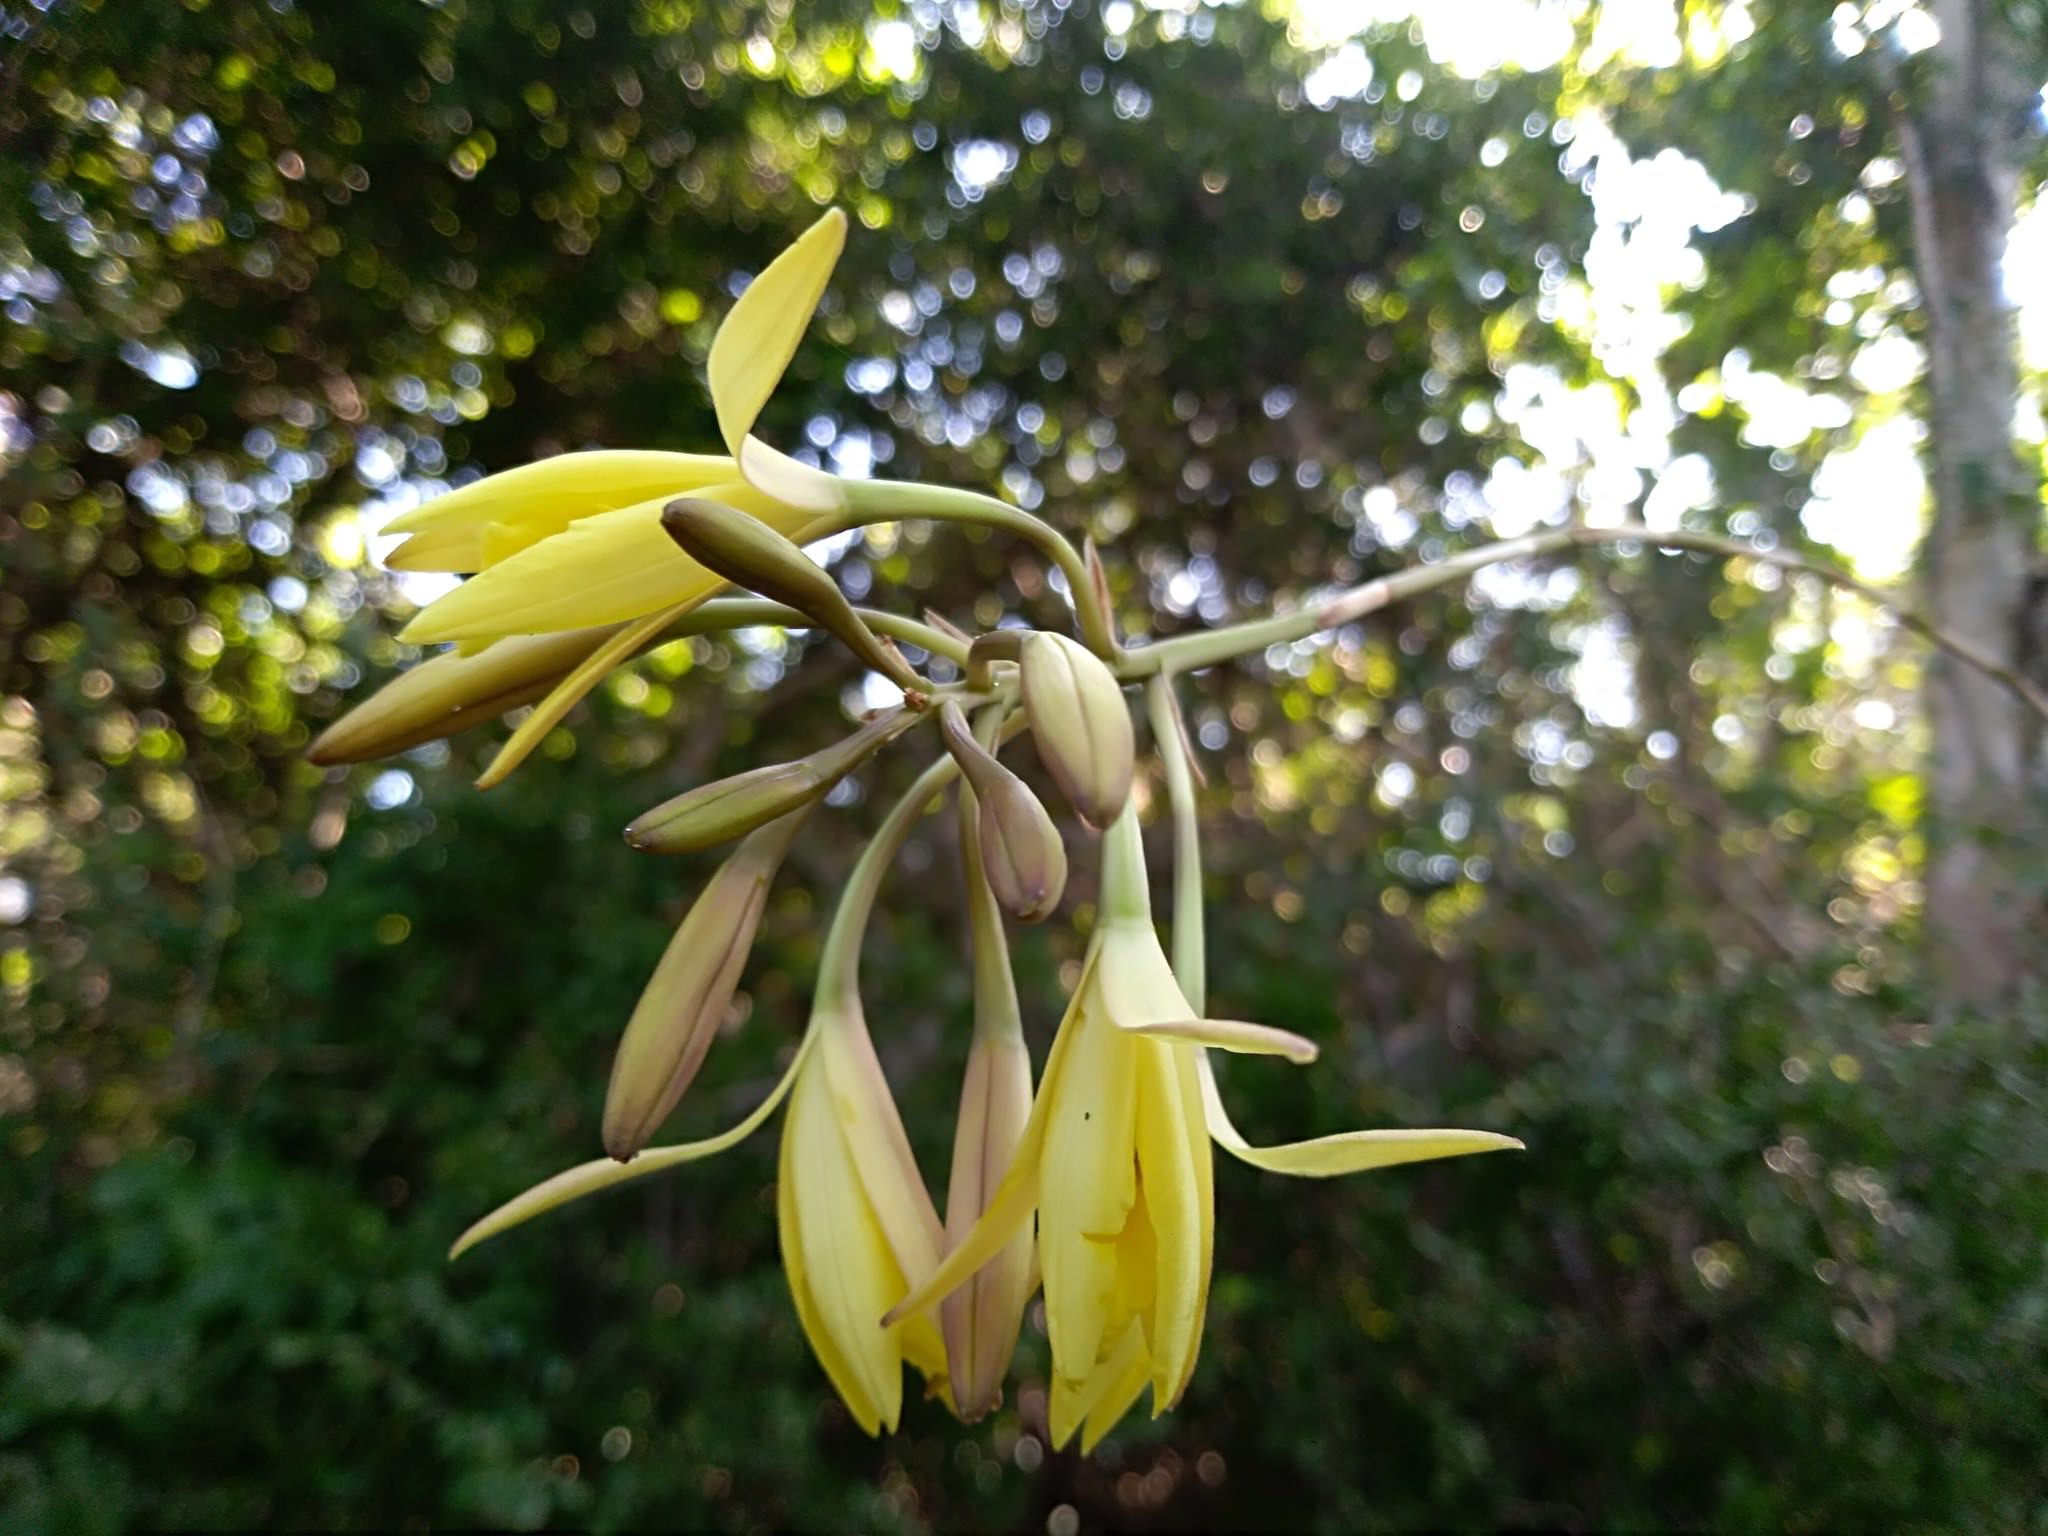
[
  {"x": 1186, "y": 1066},
  {"x": 561, "y": 489},
  {"x": 1136, "y": 978},
  {"x": 796, "y": 1266},
  {"x": 1073, "y": 1401},
  {"x": 617, "y": 564},
  {"x": 761, "y": 331},
  {"x": 1346, "y": 1151},
  {"x": 442, "y": 549},
  {"x": 1087, "y": 1185},
  {"x": 924, "y": 1348},
  {"x": 1232, "y": 1035},
  {"x": 873, "y": 1131},
  {"x": 846, "y": 1265},
  {"x": 604, "y": 1173},
  {"x": 1126, "y": 1374},
  {"x": 1172, "y": 1197},
  {"x": 790, "y": 481}
]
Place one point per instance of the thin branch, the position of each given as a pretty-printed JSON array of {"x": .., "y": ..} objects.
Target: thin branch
[{"x": 1190, "y": 652}]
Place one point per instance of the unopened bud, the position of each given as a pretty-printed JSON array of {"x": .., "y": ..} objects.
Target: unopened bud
[
  {"x": 686, "y": 998},
  {"x": 1021, "y": 852},
  {"x": 452, "y": 692},
  {"x": 980, "y": 1320},
  {"x": 1098, "y": 583},
  {"x": 1081, "y": 724},
  {"x": 746, "y": 551},
  {"x": 712, "y": 814}
]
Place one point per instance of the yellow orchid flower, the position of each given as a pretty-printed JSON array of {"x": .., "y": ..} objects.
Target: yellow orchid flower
[
  {"x": 1115, "y": 1161},
  {"x": 855, "y": 1219},
  {"x": 576, "y": 541}
]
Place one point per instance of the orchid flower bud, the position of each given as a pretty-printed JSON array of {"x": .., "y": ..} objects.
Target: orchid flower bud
[
  {"x": 451, "y": 692},
  {"x": 712, "y": 814},
  {"x": 1081, "y": 724},
  {"x": 1020, "y": 847},
  {"x": 685, "y": 1001},
  {"x": 747, "y": 552},
  {"x": 980, "y": 1321}
]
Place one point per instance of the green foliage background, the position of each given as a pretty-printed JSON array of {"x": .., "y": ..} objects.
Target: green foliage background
[{"x": 270, "y": 1036}]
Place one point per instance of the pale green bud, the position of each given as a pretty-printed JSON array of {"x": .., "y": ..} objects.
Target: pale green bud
[
  {"x": 686, "y": 998},
  {"x": 1025, "y": 862},
  {"x": 1081, "y": 724},
  {"x": 747, "y": 552},
  {"x": 712, "y": 814}
]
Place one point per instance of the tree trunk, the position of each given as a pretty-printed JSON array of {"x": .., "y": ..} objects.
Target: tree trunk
[{"x": 1963, "y": 143}]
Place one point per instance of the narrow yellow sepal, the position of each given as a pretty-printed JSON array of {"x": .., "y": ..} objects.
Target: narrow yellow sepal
[
  {"x": 626, "y": 641},
  {"x": 1232, "y": 1035},
  {"x": 564, "y": 488},
  {"x": 441, "y": 550},
  {"x": 760, "y": 333},
  {"x": 1346, "y": 1151},
  {"x": 603, "y": 1173}
]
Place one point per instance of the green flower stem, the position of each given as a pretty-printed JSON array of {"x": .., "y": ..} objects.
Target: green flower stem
[
  {"x": 1123, "y": 891},
  {"x": 1189, "y": 956},
  {"x": 839, "y": 964},
  {"x": 874, "y": 500},
  {"x": 1186, "y": 653},
  {"x": 997, "y": 1016}
]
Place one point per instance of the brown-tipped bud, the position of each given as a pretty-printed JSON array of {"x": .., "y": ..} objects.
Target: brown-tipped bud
[
  {"x": 1081, "y": 724},
  {"x": 746, "y": 551},
  {"x": 712, "y": 814},
  {"x": 452, "y": 692},
  {"x": 1021, "y": 852},
  {"x": 686, "y": 998}
]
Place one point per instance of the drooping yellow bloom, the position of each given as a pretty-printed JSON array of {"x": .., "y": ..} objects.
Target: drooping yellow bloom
[
  {"x": 1115, "y": 1161},
  {"x": 857, "y": 1224},
  {"x": 855, "y": 1221}
]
